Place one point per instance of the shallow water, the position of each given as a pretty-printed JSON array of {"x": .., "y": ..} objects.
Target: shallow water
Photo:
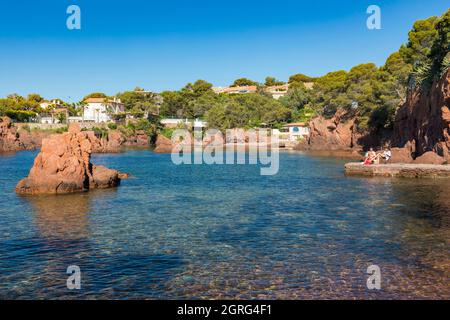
[{"x": 201, "y": 231}]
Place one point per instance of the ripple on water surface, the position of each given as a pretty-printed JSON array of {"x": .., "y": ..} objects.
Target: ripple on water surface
[{"x": 226, "y": 232}]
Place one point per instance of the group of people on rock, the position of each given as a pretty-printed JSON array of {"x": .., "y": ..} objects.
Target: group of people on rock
[{"x": 373, "y": 157}]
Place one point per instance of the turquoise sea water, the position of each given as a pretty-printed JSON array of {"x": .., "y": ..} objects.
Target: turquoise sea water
[{"x": 199, "y": 231}]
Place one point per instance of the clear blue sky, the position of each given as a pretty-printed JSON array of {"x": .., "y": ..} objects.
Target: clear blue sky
[{"x": 162, "y": 45}]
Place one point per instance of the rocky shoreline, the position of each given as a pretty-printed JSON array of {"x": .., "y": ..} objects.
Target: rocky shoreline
[{"x": 13, "y": 139}]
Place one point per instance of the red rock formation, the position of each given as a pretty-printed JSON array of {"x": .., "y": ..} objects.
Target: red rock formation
[
  {"x": 13, "y": 138},
  {"x": 163, "y": 144},
  {"x": 63, "y": 166},
  {"x": 139, "y": 139},
  {"x": 111, "y": 144},
  {"x": 32, "y": 140},
  {"x": 336, "y": 134},
  {"x": 115, "y": 141},
  {"x": 9, "y": 136},
  {"x": 421, "y": 130},
  {"x": 422, "y": 124},
  {"x": 430, "y": 158}
]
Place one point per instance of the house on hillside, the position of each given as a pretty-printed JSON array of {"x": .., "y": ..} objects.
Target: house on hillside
[
  {"x": 277, "y": 91},
  {"x": 100, "y": 110},
  {"x": 46, "y": 103},
  {"x": 296, "y": 130},
  {"x": 236, "y": 90},
  {"x": 291, "y": 134},
  {"x": 57, "y": 115},
  {"x": 174, "y": 123}
]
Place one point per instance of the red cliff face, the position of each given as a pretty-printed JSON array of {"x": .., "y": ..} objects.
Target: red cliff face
[
  {"x": 331, "y": 134},
  {"x": 421, "y": 131},
  {"x": 340, "y": 133},
  {"x": 422, "y": 124}
]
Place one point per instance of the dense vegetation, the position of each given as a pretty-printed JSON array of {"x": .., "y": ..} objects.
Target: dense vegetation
[{"x": 369, "y": 93}]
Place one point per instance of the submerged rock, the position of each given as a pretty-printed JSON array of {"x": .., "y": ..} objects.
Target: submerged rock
[{"x": 63, "y": 166}]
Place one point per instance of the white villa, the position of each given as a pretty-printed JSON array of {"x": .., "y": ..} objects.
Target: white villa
[
  {"x": 292, "y": 133},
  {"x": 99, "y": 110}
]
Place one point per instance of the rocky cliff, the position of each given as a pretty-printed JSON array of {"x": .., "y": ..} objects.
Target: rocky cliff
[
  {"x": 64, "y": 166},
  {"x": 421, "y": 131},
  {"x": 422, "y": 124},
  {"x": 337, "y": 133}
]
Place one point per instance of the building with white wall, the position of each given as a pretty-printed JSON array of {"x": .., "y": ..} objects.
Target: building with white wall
[
  {"x": 174, "y": 123},
  {"x": 101, "y": 110}
]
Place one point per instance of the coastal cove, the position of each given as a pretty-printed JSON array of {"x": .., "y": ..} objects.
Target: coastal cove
[{"x": 225, "y": 231}]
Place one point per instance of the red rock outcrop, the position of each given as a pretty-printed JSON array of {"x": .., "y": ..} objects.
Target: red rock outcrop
[
  {"x": 430, "y": 158},
  {"x": 110, "y": 144},
  {"x": 139, "y": 139},
  {"x": 163, "y": 144},
  {"x": 9, "y": 136},
  {"x": 63, "y": 166},
  {"x": 14, "y": 138},
  {"x": 116, "y": 140},
  {"x": 422, "y": 124},
  {"x": 340, "y": 133}
]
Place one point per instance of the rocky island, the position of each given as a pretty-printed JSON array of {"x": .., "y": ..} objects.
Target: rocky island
[{"x": 64, "y": 166}]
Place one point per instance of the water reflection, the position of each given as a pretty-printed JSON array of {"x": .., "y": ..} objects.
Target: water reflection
[
  {"x": 62, "y": 216},
  {"x": 63, "y": 224}
]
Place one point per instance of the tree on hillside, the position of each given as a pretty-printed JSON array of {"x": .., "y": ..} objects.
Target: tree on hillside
[
  {"x": 139, "y": 103},
  {"x": 35, "y": 97},
  {"x": 95, "y": 95},
  {"x": 420, "y": 40},
  {"x": 247, "y": 111},
  {"x": 329, "y": 92},
  {"x": 198, "y": 88},
  {"x": 242, "y": 82},
  {"x": 399, "y": 73},
  {"x": 439, "y": 54},
  {"x": 198, "y": 106},
  {"x": 272, "y": 81},
  {"x": 297, "y": 100},
  {"x": 173, "y": 104},
  {"x": 300, "y": 78}
]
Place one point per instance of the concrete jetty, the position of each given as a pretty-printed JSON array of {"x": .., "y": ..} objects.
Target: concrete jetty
[{"x": 398, "y": 170}]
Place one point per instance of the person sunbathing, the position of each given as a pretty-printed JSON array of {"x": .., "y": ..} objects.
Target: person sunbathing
[{"x": 370, "y": 158}]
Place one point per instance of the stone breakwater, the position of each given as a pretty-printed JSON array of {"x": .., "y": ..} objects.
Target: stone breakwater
[
  {"x": 64, "y": 166},
  {"x": 398, "y": 170}
]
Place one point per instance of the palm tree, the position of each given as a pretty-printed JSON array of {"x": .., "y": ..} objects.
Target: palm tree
[{"x": 82, "y": 104}]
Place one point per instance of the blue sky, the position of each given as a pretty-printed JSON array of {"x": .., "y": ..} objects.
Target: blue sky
[{"x": 162, "y": 45}]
